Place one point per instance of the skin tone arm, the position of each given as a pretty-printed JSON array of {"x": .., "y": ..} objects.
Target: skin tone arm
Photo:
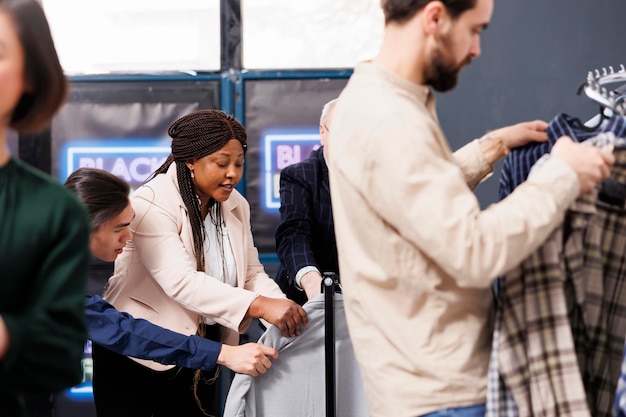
[
  {"x": 311, "y": 283},
  {"x": 497, "y": 143},
  {"x": 590, "y": 164},
  {"x": 250, "y": 358},
  {"x": 288, "y": 316},
  {"x": 119, "y": 331},
  {"x": 4, "y": 339}
]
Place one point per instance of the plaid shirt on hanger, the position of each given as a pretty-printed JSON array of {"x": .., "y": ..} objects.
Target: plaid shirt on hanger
[{"x": 561, "y": 318}]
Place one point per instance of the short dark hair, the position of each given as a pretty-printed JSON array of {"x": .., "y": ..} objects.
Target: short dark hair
[
  {"x": 400, "y": 11},
  {"x": 45, "y": 81},
  {"x": 105, "y": 195}
]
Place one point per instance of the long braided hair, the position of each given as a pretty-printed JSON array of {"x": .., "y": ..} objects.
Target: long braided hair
[{"x": 194, "y": 136}]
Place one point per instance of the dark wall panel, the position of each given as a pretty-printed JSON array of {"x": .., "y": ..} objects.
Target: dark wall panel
[{"x": 535, "y": 54}]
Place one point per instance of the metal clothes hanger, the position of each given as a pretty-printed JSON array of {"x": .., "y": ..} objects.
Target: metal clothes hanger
[
  {"x": 596, "y": 88},
  {"x": 611, "y": 100}
]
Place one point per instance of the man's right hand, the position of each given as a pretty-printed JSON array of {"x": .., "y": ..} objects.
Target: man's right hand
[
  {"x": 311, "y": 283},
  {"x": 590, "y": 163}
]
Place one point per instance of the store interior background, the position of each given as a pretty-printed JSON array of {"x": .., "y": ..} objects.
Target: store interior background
[{"x": 137, "y": 65}]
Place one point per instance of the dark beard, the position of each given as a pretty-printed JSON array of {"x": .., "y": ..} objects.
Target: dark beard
[
  {"x": 443, "y": 73},
  {"x": 442, "y": 76}
]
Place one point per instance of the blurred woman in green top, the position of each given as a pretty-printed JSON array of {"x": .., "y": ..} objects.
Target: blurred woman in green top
[{"x": 44, "y": 231}]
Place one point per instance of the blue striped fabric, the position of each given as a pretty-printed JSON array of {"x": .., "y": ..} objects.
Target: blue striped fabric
[{"x": 520, "y": 160}]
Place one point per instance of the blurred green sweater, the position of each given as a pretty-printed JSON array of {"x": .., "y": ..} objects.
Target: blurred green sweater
[{"x": 44, "y": 261}]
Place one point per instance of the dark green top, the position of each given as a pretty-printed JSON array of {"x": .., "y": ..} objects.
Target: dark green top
[{"x": 44, "y": 261}]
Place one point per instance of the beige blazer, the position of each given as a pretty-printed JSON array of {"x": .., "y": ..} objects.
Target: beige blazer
[{"x": 155, "y": 278}]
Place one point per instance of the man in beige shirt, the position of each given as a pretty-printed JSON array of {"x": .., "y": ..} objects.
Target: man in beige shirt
[{"x": 417, "y": 255}]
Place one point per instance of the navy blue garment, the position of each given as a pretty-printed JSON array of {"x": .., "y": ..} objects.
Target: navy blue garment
[
  {"x": 520, "y": 160},
  {"x": 305, "y": 235},
  {"x": 619, "y": 406},
  {"x": 123, "y": 334}
]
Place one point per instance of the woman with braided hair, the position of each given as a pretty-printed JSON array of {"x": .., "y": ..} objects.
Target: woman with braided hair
[{"x": 191, "y": 267}]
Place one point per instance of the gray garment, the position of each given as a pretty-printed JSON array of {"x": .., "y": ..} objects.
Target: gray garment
[{"x": 295, "y": 384}]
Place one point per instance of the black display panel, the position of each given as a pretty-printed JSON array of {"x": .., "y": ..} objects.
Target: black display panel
[
  {"x": 122, "y": 127},
  {"x": 282, "y": 120}
]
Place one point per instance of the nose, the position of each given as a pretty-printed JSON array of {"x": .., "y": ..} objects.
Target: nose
[
  {"x": 126, "y": 235},
  {"x": 475, "y": 48},
  {"x": 231, "y": 172}
]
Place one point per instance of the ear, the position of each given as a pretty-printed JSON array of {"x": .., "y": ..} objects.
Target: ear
[
  {"x": 190, "y": 164},
  {"x": 433, "y": 16}
]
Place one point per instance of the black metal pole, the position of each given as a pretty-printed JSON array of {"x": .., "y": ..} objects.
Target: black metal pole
[{"x": 328, "y": 285}]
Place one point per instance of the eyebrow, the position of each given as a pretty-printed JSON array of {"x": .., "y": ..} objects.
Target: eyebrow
[
  {"x": 227, "y": 154},
  {"x": 124, "y": 224}
]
